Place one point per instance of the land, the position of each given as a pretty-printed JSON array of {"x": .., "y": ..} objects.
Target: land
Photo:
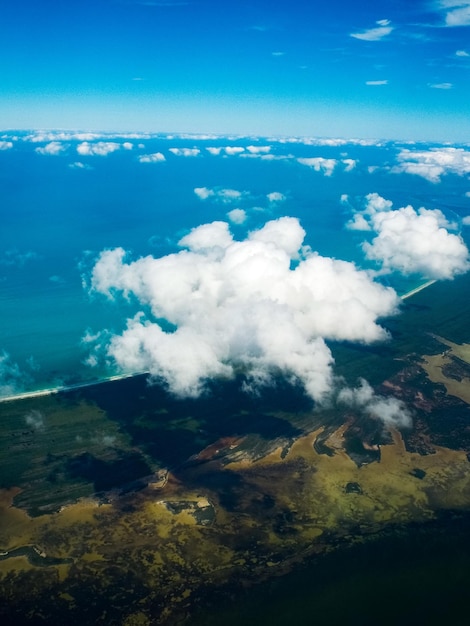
[{"x": 122, "y": 505}]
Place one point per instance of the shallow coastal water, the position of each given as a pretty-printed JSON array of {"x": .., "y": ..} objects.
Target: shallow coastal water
[{"x": 57, "y": 217}]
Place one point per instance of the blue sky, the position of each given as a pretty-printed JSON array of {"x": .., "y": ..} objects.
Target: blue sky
[{"x": 386, "y": 69}]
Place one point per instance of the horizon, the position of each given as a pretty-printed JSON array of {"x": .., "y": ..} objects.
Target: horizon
[{"x": 390, "y": 70}]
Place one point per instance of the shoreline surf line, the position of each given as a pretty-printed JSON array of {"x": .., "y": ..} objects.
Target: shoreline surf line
[
  {"x": 417, "y": 289},
  {"x": 26, "y": 395},
  {"x": 55, "y": 390}
]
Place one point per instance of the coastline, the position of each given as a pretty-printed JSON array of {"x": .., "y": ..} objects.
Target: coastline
[
  {"x": 26, "y": 395},
  {"x": 417, "y": 289}
]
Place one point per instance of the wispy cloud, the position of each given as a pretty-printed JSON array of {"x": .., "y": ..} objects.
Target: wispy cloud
[
  {"x": 455, "y": 12},
  {"x": 377, "y": 33},
  {"x": 462, "y": 53},
  {"x": 376, "y": 83},
  {"x": 440, "y": 85}
]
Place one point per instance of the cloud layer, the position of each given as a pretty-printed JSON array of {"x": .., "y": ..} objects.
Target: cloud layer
[{"x": 262, "y": 306}]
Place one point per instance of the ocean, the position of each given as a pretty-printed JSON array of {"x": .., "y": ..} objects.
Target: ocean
[{"x": 65, "y": 197}]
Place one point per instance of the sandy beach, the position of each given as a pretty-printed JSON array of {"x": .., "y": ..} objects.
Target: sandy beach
[
  {"x": 417, "y": 289},
  {"x": 53, "y": 390}
]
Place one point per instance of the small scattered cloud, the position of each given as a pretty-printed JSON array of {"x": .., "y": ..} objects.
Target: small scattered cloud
[
  {"x": 466, "y": 220},
  {"x": 278, "y": 54},
  {"x": 237, "y": 216},
  {"x": 440, "y": 85},
  {"x": 6, "y": 145},
  {"x": 258, "y": 149},
  {"x": 376, "y": 83},
  {"x": 225, "y": 196},
  {"x": 349, "y": 164},
  {"x": 389, "y": 410},
  {"x": 100, "y": 148},
  {"x": 319, "y": 164},
  {"x": 53, "y": 148},
  {"x": 383, "y": 29},
  {"x": 204, "y": 192},
  {"x": 462, "y": 53},
  {"x": 13, "y": 257},
  {"x": 78, "y": 165},
  {"x": 11, "y": 378},
  {"x": 455, "y": 12},
  {"x": 156, "y": 157},
  {"x": 35, "y": 420},
  {"x": 276, "y": 196},
  {"x": 185, "y": 152},
  {"x": 233, "y": 150},
  {"x": 434, "y": 163}
]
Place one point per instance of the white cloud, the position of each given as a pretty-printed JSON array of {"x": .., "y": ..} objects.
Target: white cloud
[
  {"x": 434, "y": 163},
  {"x": 466, "y": 220},
  {"x": 320, "y": 164},
  {"x": 11, "y": 378},
  {"x": 156, "y": 157},
  {"x": 358, "y": 222},
  {"x": 100, "y": 148},
  {"x": 276, "y": 196},
  {"x": 391, "y": 411},
  {"x": 214, "y": 151},
  {"x": 440, "y": 85},
  {"x": 456, "y": 12},
  {"x": 410, "y": 241},
  {"x": 78, "y": 165},
  {"x": 376, "y": 83},
  {"x": 185, "y": 152},
  {"x": 349, "y": 164},
  {"x": 242, "y": 306},
  {"x": 226, "y": 196},
  {"x": 258, "y": 149},
  {"x": 14, "y": 257},
  {"x": 382, "y": 29},
  {"x": 45, "y": 136},
  {"x": 204, "y": 192},
  {"x": 35, "y": 419},
  {"x": 53, "y": 148},
  {"x": 6, "y": 145},
  {"x": 233, "y": 150},
  {"x": 237, "y": 216},
  {"x": 462, "y": 53}
]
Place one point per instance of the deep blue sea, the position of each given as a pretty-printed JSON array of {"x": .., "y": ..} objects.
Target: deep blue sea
[{"x": 64, "y": 198}]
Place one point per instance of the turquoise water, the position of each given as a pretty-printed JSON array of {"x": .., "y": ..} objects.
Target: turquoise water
[{"x": 57, "y": 217}]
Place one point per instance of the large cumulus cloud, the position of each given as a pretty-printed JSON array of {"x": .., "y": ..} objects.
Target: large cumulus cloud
[
  {"x": 411, "y": 241},
  {"x": 264, "y": 305}
]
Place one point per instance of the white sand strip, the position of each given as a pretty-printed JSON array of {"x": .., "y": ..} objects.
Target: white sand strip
[
  {"x": 417, "y": 289},
  {"x": 54, "y": 390}
]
